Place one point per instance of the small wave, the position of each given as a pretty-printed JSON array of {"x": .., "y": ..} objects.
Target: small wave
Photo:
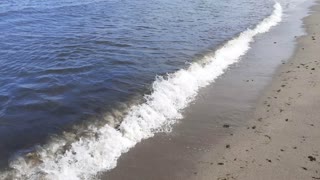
[
  {"x": 100, "y": 149},
  {"x": 67, "y": 70},
  {"x": 18, "y": 6}
]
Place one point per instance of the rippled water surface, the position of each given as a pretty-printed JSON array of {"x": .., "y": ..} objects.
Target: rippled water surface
[{"x": 64, "y": 62}]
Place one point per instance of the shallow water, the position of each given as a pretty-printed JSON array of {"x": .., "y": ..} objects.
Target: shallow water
[{"x": 69, "y": 62}]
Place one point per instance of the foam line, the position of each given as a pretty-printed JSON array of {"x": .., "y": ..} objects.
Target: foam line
[{"x": 100, "y": 151}]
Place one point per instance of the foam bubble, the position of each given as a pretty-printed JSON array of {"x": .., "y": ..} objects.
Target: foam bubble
[{"x": 99, "y": 151}]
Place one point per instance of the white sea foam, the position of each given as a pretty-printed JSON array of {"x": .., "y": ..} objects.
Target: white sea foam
[{"x": 100, "y": 151}]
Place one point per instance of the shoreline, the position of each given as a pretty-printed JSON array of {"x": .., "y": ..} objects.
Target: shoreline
[
  {"x": 255, "y": 118},
  {"x": 281, "y": 140},
  {"x": 185, "y": 145},
  {"x": 199, "y": 146}
]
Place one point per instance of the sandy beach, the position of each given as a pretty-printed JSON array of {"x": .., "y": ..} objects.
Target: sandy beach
[{"x": 282, "y": 139}]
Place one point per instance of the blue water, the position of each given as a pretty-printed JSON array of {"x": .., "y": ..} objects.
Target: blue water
[{"x": 65, "y": 62}]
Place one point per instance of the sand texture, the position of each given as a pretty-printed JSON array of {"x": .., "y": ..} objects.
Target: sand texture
[{"x": 282, "y": 140}]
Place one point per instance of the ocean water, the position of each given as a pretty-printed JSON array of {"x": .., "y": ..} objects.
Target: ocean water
[{"x": 83, "y": 81}]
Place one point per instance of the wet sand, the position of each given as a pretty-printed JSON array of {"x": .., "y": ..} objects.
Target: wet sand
[
  {"x": 281, "y": 141},
  {"x": 238, "y": 128}
]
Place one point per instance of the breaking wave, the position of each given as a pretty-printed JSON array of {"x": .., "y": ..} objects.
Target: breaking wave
[{"x": 99, "y": 151}]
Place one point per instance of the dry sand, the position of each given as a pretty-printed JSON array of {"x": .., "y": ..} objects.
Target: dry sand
[{"x": 282, "y": 140}]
